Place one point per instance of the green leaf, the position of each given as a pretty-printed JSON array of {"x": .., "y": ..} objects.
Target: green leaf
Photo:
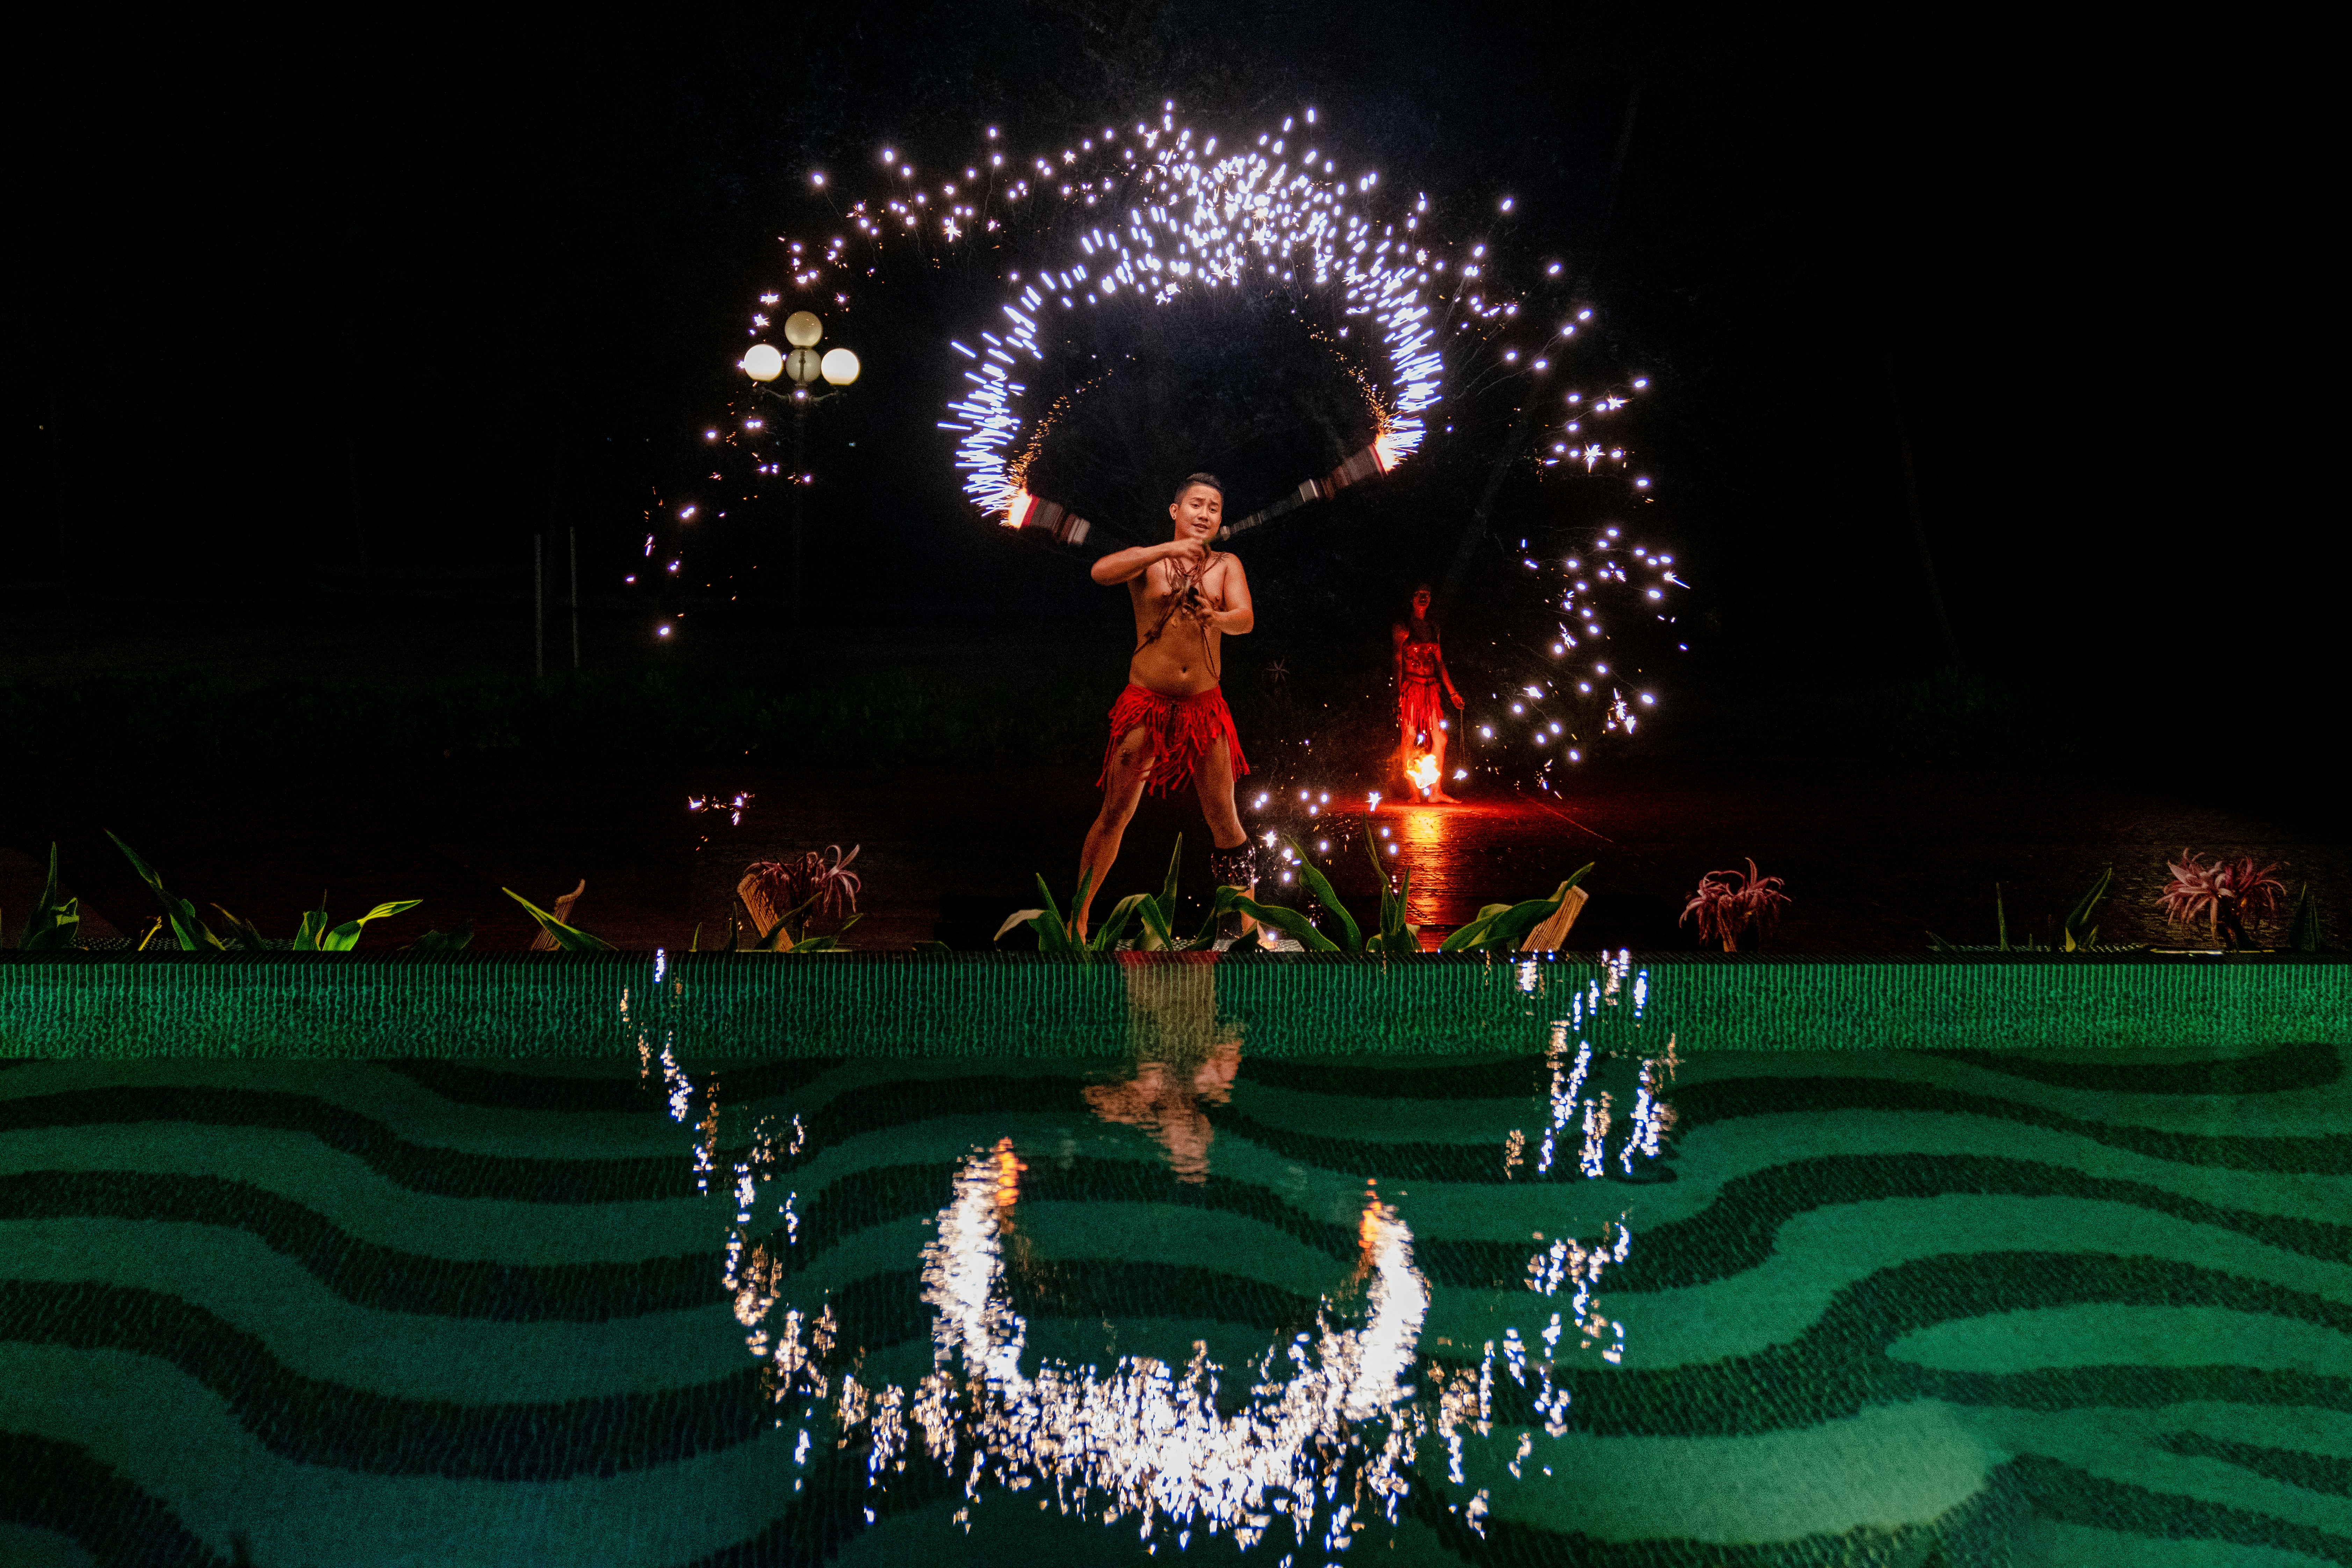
[
  {"x": 1017, "y": 918},
  {"x": 1473, "y": 935},
  {"x": 346, "y": 936},
  {"x": 1159, "y": 931},
  {"x": 1937, "y": 944},
  {"x": 933, "y": 947},
  {"x": 2303, "y": 926},
  {"x": 1221, "y": 903},
  {"x": 1290, "y": 922},
  {"x": 1123, "y": 911},
  {"x": 2080, "y": 932},
  {"x": 1168, "y": 887},
  {"x": 570, "y": 938},
  {"x": 1350, "y": 939},
  {"x": 187, "y": 930},
  {"x": 306, "y": 937},
  {"x": 2000, "y": 918},
  {"x": 1511, "y": 927},
  {"x": 54, "y": 923},
  {"x": 454, "y": 940},
  {"x": 247, "y": 937},
  {"x": 1052, "y": 930}
]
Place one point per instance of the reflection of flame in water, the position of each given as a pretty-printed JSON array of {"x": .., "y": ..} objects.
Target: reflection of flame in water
[
  {"x": 1149, "y": 1438},
  {"x": 1009, "y": 1167},
  {"x": 1423, "y": 771}
]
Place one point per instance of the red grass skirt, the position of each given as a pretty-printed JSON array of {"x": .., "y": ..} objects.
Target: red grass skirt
[
  {"x": 1182, "y": 730},
  {"x": 1417, "y": 708}
]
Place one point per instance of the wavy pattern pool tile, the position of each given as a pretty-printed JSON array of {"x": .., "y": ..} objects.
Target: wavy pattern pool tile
[{"x": 1604, "y": 1300}]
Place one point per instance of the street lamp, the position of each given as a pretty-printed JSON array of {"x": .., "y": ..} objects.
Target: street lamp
[{"x": 804, "y": 367}]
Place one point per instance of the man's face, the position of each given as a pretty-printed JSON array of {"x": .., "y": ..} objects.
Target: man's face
[{"x": 1198, "y": 513}]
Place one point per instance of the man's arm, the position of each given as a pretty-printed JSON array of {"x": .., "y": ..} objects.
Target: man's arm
[
  {"x": 1239, "y": 614},
  {"x": 1126, "y": 565}
]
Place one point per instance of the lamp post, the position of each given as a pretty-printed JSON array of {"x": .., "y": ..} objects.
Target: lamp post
[{"x": 803, "y": 366}]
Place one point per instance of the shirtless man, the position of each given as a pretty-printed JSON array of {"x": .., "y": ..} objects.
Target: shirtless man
[{"x": 1172, "y": 723}]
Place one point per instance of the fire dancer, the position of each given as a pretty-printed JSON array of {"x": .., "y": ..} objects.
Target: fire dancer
[
  {"x": 1172, "y": 723},
  {"x": 1420, "y": 669}
]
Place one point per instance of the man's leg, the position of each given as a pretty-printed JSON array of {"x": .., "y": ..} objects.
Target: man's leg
[
  {"x": 1212, "y": 781},
  {"x": 1130, "y": 769}
]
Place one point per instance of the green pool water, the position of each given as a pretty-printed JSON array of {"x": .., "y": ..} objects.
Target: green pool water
[{"x": 1604, "y": 1299}]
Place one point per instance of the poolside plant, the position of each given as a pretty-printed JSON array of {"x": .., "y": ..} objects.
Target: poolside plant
[
  {"x": 1729, "y": 905},
  {"x": 456, "y": 939},
  {"x": 189, "y": 932},
  {"x": 569, "y": 938},
  {"x": 2303, "y": 925},
  {"x": 1498, "y": 927},
  {"x": 1504, "y": 928},
  {"x": 2222, "y": 894},
  {"x": 188, "y": 929},
  {"x": 1153, "y": 915},
  {"x": 2077, "y": 933},
  {"x": 784, "y": 896},
  {"x": 55, "y": 922}
]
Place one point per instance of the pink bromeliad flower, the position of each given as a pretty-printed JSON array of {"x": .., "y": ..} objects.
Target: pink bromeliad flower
[
  {"x": 2221, "y": 894},
  {"x": 1728, "y": 904}
]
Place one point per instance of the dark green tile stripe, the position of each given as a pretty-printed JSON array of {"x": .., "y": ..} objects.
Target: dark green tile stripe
[
  {"x": 2281, "y": 1071},
  {"x": 2059, "y": 1490},
  {"x": 1726, "y": 1099},
  {"x": 464, "y": 1083},
  {"x": 1839, "y": 1365},
  {"x": 365, "y": 1273},
  {"x": 1517, "y": 1076},
  {"x": 58, "y": 1486},
  {"x": 1735, "y": 1231},
  {"x": 419, "y": 1167},
  {"x": 313, "y": 1421},
  {"x": 2291, "y": 1467}
]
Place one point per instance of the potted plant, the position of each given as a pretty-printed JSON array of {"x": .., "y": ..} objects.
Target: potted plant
[
  {"x": 2222, "y": 894},
  {"x": 1736, "y": 909}
]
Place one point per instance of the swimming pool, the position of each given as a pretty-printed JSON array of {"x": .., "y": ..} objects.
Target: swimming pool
[{"x": 1606, "y": 1298}]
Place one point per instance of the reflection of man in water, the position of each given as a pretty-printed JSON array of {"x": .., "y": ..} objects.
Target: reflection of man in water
[
  {"x": 1180, "y": 1062},
  {"x": 1419, "y": 670},
  {"x": 1171, "y": 724}
]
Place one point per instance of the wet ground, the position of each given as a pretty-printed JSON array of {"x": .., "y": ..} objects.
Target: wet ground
[{"x": 1874, "y": 855}]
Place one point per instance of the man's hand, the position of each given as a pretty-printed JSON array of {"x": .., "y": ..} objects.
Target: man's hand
[
  {"x": 1457, "y": 699},
  {"x": 1188, "y": 554}
]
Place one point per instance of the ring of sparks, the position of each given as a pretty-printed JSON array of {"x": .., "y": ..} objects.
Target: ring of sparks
[{"x": 1266, "y": 218}]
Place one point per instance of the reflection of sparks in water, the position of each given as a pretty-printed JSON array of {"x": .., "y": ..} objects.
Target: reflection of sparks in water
[
  {"x": 1325, "y": 1446},
  {"x": 1148, "y": 1438}
]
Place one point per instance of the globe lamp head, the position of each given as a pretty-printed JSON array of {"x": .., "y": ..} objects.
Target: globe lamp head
[{"x": 762, "y": 363}]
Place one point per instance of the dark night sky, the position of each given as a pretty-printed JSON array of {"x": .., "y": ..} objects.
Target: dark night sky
[{"x": 497, "y": 268}]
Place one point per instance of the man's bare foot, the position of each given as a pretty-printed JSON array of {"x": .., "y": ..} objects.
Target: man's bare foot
[{"x": 1439, "y": 798}]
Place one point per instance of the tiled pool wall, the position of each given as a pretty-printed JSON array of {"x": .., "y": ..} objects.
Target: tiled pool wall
[{"x": 723, "y": 1005}]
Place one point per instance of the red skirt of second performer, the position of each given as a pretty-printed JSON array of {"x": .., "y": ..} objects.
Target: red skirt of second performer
[{"x": 1182, "y": 730}]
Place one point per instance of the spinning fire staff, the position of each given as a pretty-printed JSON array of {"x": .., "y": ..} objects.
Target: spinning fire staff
[
  {"x": 1420, "y": 669},
  {"x": 1172, "y": 723}
]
